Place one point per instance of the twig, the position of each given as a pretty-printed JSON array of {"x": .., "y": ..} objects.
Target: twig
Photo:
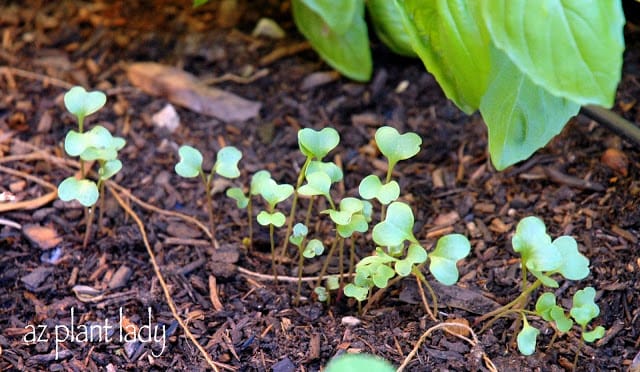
[
  {"x": 32, "y": 203},
  {"x": 35, "y": 76},
  {"x": 289, "y": 279},
  {"x": 213, "y": 364},
  {"x": 613, "y": 122}
]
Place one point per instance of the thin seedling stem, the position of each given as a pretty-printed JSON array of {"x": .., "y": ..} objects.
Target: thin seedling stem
[{"x": 294, "y": 205}]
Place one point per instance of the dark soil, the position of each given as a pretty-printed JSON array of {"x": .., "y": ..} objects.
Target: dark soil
[{"x": 47, "y": 47}]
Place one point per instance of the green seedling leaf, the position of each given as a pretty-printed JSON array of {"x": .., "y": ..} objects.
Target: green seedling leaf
[
  {"x": 396, "y": 227},
  {"x": 190, "y": 164},
  {"x": 109, "y": 169},
  {"x": 593, "y": 335},
  {"x": 367, "y": 210},
  {"x": 563, "y": 323},
  {"x": 527, "y": 338},
  {"x": 576, "y": 51},
  {"x": 381, "y": 275},
  {"x": 348, "y": 51},
  {"x": 357, "y": 222},
  {"x": 81, "y": 103},
  {"x": 574, "y": 266},
  {"x": 387, "y": 23},
  {"x": 337, "y": 15},
  {"x": 76, "y": 144},
  {"x": 450, "y": 38},
  {"x": 371, "y": 187},
  {"x": 358, "y": 363},
  {"x": 322, "y": 294},
  {"x": 415, "y": 255},
  {"x": 443, "y": 259},
  {"x": 276, "y": 219},
  {"x": 314, "y": 248},
  {"x": 521, "y": 116},
  {"x": 238, "y": 195},
  {"x": 197, "y": 3},
  {"x": 584, "y": 308},
  {"x": 534, "y": 245},
  {"x": 395, "y": 146},
  {"x": 331, "y": 169},
  {"x": 274, "y": 193},
  {"x": 353, "y": 291},
  {"x": 317, "y": 144},
  {"x": 332, "y": 282},
  {"x": 258, "y": 181},
  {"x": 227, "y": 162},
  {"x": 348, "y": 207},
  {"x": 318, "y": 183},
  {"x": 85, "y": 191},
  {"x": 545, "y": 303}
]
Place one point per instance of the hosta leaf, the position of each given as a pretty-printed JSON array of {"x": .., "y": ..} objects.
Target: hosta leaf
[
  {"x": 387, "y": 23},
  {"x": 572, "y": 48},
  {"x": 348, "y": 51},
  {"x": 190, "y": 164},
  {"x": 521, "y": 116},
  {"x": 450, "y": 39},
  {"x": 227, "y": 162},
  {"x": 443, "y": 259},
  {"x": 85, "y": 191},
  {"x": 337, "y": 15}
]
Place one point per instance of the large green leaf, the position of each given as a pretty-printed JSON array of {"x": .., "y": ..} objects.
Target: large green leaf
[
  {"x": 572, "y": 48},
  {"x": 520, "y": 115},
  {"x": 348, "y": 51},
  {"x": 338, "y": 15},
  {"x": 450, "y": 38},
  {"x": 387, "y": 23}
]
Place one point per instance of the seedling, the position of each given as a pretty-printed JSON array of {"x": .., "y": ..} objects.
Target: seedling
[
  {"x": 273, "y": 194},
  {"x": 359, "y": 362},
  {"x": 314, "y": 145},
  {"x": 394, "y": 233},
  {"x": 96, "y": 144},
  {"x": 545, "y": 259},
  {"x": 226, "y": 165},
  {"x": 395, "y": 147}
]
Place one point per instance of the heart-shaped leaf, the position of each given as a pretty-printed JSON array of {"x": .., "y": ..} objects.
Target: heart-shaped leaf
[
  {"x": 527, "y": 338},
  {"x": 317, "y": 144},
  {"x": 274, "y": 193},
  {"x": 353, "y": 291},
  {"x": 545, "y": 303},
  {"x": 276, "y": 219},
  {"x": 85, "y": 191},
  {"x": 563, "y": 323},
  {"x": 595, "y": 334},
  {"x": 371, "y": 187},
  {"x": 314, "y": 248},
  {"x": 75, "y": 143},
  {"x": 330, "y": 168},
  {"x": 318, "y": 183},
  {"x": 238, "y": 195},
  {"x": 415, "y": 255},
  {"x": 348, "y": 207},
  {"x": 82, "y": 103},
  {"x": 574, "y": 265},
  {"x": 322, "y": 294},
  {"x": 332, "y": 282},
  {"x": 443, "y": 259},
  {"x": 395, "y": 146},
  {"x": 534, "y": 245},
  {"x": 109, "y": 169},
  {"x": 357, "y": 222},
  {"x": 396, "y": 227},
  {"x": 227, "y": 162},
  {"x": 190, "y": 164},
  {"x": 258, "y": 180},
  {"x": 584, "y": 308},
  {"x": 381, "y": 275}
]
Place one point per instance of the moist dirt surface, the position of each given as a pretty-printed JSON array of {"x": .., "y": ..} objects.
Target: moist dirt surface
[{"x": 585, "y": 183}]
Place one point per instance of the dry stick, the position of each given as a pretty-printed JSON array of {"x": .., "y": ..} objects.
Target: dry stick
[
  {"x": 444, "y": 326},
  {"x": 33, "y": 203},
  {"x": 269, "y": 278},
  {"x": 163, "y": 284}
]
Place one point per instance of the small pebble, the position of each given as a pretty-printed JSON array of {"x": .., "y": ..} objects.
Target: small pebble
[
  {"x": 350, "y": 321},
  {"x": 121, "y": 277}
]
